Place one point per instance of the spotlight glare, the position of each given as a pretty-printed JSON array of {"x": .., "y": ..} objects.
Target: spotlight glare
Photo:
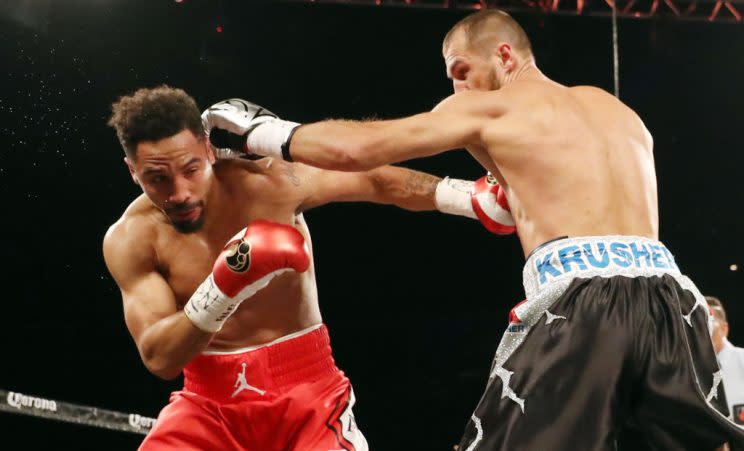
[{"x": 734, "y": 267}]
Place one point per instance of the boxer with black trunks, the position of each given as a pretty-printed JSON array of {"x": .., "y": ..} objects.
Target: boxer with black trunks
[
  {"x": 613, "y": 341},
  {"x": 241, "y": 320}
]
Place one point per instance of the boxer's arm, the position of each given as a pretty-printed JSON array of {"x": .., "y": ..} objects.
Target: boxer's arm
[
  {"x": 389, "y": 185},
  {"x": 408, "y": 189},
  {"x": 456, "y": 122},
  {"x": 166, "y": 339}
]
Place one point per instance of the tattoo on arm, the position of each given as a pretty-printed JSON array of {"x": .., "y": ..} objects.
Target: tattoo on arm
[{"x": 421, "y": 184}]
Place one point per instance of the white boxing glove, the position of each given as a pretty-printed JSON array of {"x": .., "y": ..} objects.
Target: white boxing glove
[{"x": 238, "y": 126}]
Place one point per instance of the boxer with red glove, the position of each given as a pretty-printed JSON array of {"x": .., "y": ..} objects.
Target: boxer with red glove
[{"x": 483, "y": 199}]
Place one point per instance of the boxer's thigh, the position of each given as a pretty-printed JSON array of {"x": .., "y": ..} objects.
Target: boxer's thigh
[
  {"x": 328, "y": 421},
  {"x": 563, "y": 388},
  {"x": 189, "y": 423},
  {"x": 683, "y": 405}
]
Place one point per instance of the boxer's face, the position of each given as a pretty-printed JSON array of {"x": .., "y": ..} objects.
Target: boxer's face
[
  {"x": 485, "y": 65},
  {"x": 176, "y": 174},
  {"x": 469, "y": 70}
]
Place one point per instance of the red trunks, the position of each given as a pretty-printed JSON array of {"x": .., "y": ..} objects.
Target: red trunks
[{"x": 285, "y": 395}]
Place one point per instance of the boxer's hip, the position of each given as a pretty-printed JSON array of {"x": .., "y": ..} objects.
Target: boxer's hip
[
  {"x": 263, "y": 372},
  {"x": 557, "y": 262},
  {"x": 552, "y": 267}
]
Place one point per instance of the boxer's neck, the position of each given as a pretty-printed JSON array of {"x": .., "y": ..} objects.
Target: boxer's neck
[
  {"x": 527, "y": 71},
  {"x": 214, "y": 199}
]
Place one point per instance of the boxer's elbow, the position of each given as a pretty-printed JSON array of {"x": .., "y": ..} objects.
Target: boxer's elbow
[
  {"x": 157, "y": 361},
  {"x": 402, "y": 188},
  {"x": 168, "y": 375},
  {"x": 385, "y": 189},
  {"x": 162, "y": 368}
]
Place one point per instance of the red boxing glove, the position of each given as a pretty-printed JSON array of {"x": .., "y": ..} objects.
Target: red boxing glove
[
  {"x": 491, "y": 207},
  {"x": 249, "y": 261}
]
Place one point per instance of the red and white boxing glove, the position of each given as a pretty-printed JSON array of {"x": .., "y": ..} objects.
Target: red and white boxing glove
[
  {"x": 239, "y": 127},
  {"x": 248, "y": 262},
  {"x": 483, "y": 199}
]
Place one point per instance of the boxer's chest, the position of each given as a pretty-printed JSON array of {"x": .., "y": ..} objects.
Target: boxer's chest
[{"x": 185, "y": 260}]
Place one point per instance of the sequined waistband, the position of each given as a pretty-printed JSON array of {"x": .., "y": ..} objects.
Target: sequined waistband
[{"x": 552, "y": 266}]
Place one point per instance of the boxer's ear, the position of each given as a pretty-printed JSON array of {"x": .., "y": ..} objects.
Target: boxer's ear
[
  {"x": 505, "y": 56},
  {"x": 131, "y": 170},
  {"x": 211, "y": 155}
]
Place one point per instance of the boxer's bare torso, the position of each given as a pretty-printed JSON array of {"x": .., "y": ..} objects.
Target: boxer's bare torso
[
  {"x": 242, "y": 191},
  {"x": 574, "y": 161}
]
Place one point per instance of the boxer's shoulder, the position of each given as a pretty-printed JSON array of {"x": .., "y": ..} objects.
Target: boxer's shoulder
[
  {"x": 525, "y": 95},
  {"x": 591, "y": 91},
  {"x": 269, "y": 176},
  {"x": 595, "y": 98},
  {"x": 137, "y": 228},
  {"x": 239, "y": 171},
  {"x": 229, "y": 166},
  {"x": 519, "y": 98}
]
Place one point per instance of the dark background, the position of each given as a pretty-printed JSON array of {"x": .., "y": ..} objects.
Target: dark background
[{"x": 416, "y": 303}]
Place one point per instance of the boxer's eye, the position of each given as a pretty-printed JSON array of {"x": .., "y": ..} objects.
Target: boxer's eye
[{"x": 155, "y": 179}]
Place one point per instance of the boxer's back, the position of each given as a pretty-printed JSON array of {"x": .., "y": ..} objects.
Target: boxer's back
[{"x": 580, "y": 161}]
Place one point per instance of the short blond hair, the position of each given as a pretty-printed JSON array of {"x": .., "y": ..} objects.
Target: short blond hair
[{"x": 482, "y": 27}]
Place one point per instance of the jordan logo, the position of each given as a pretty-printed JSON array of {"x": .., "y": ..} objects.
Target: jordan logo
[{"x": 242, "y": 384}]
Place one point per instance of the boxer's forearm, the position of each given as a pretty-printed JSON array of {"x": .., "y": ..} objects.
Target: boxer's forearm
[
  {"x": 169, "y": 344},
  {"x": 359, "y": 146},
  {"x": 337, "y": 145},
  {"x": 405, "y": 188}
]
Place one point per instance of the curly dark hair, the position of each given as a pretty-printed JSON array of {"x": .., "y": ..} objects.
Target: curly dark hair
[{"x": 151, "y": 114}]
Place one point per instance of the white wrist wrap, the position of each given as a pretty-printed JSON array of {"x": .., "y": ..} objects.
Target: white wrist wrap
[
  {"x": 453, "y": 196},
  {"x": 208, "y": 308},
  {"x": 268, "y": 138}
]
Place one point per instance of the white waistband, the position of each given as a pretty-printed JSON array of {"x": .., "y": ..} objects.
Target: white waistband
[
  {"x": 554, "y": 264},
  {"x": 273, "y": 342}
]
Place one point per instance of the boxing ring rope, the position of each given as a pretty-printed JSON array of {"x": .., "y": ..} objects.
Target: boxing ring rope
[{"x": 23, "y": 404}]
